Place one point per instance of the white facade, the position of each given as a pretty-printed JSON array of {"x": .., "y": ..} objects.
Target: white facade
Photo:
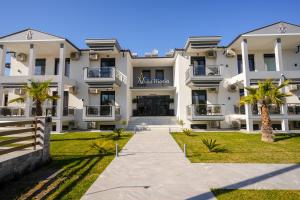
[{"x": 200, "y": 84}]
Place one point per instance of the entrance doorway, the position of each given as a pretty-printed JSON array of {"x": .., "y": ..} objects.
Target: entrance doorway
[{"x": 153, "y": 106}]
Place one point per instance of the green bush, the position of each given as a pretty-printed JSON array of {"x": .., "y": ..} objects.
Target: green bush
[
  {"x": 118, "y": 132},
  {"x": 187, "y": 131},
  {"x": 212, "y": 145}
]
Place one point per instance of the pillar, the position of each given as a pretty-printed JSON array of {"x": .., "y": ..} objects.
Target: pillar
[
  {"x": 2, "y": 59},
  {"x": 278, "y": 55},
  {"x": 60, "y": 88},
  {"x": 284, "y": 111},
  {"x": 245, "y": 61},
  {"x": 31, "y": 66}
]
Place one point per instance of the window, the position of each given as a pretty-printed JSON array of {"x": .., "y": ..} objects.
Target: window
[
  {"x": 198, "y": 64},
  {"x": 108, "y": 62},
  {"x": 40, "y": 65},
  {"x": 159, "y": 75},
  {"x": 242, "y": 93},
  {"x": 5, "y": 99},
  {"x": 107, "y": 98},
  {"x": 67, "y": 67},
  {"x": 147, "y": 75},
  {"x": 250, "y": 61},
  {"x": 56, "y": 66},
  {"x": 198, "y": 126},
  {"x": 270, "y": 64}
]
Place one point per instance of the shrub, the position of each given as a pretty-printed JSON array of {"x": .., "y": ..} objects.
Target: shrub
[
  {"x": 119, "y": 132},
  {"x": 212, "y": 145},
  {"x": 187, "y": 131},
  {"x": 181, "y": 123}
]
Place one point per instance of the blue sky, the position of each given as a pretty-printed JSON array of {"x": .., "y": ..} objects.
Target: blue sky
[{"x": 144, "y": 25}]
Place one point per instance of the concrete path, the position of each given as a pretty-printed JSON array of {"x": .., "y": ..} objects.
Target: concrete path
[{"x": 153, "y": 167}]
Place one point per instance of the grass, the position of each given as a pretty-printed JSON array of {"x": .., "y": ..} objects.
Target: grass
[
  {"x": 225, "y": 194},
  {"x": 76, "y": 164},
  {"x": 241, "y": 148}
]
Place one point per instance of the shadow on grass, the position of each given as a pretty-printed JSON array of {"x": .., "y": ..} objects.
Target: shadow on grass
[
  {"x": 62, "y": 174},
  {"x": 280, "y": 137},
  {"x": 109, "y": 136}
]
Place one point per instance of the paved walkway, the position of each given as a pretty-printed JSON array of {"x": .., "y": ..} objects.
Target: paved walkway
[{"x": 153, "y": 167}]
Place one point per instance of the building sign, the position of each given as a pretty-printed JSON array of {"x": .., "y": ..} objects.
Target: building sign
[{"x": 146, "y": 81}]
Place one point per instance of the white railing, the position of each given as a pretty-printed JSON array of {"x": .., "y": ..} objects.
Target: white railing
[
  {"x": 195, "y": 110},
  {"x": 101, "y": 111},
  {"x": 12, "y": 111},
  {"x": 201, "y": 71}
]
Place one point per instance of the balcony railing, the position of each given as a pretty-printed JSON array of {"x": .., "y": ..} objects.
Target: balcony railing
[
  {"x": 239, "y": 109},
  {"x": 10, "y": 111},
  {"x": 52, "y": 111},
  {"x": 102, "y": 112},
  {"x": 293, "y": 108},
  {"x": 202, "y": 71},
  {"x": 204, "y": 110},
  {"x": 102, "y": 74},
  {"x": 273, "y": 110}
]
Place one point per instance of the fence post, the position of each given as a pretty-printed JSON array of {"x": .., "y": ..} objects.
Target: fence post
[
  {"x": 45, "y": 126},
  {"x": 117, "y": 153},
  {"x": 184, "y": 150},
  {"x": 35, "y": 130}
]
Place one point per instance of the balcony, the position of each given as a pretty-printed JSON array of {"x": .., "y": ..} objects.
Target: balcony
[
  {"x": 273, "y": 110},
  {"x": 101, "y": 113},
  {"x": 293, "y": 110},
  {"x": 52, "y": 111},
  {"x": 102, "y": 75},
  {"x": 12, "y": 112},
  {"x": 239, "y": 109},
  {"x": 203, "y": 75},
  {"x": 205, "y": 112}
]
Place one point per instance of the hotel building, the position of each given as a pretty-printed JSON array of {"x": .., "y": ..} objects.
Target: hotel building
[{"x": 200, "y": 83}]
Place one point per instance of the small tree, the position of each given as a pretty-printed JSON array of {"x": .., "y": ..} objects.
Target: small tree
[
  {"x": 266, "y": 94},
  {"x": 181, "y": 123},
  {"x": 39, "y": 92}
]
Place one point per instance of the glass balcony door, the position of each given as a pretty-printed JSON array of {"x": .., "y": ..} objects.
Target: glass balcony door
[
  {"x": 107, "y": 101},
  {"x": 199, "y": 100},
  {"x": 270, "y": 64},
  {"x": 198, "y": 64}
]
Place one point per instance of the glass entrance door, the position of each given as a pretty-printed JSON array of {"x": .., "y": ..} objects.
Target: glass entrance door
[{"x": 153, "y": 106}]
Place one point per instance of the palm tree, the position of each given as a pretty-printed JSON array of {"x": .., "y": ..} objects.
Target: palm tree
[
  {"x": 266, "y": 94},
  {"x": 39, "y": 92}
]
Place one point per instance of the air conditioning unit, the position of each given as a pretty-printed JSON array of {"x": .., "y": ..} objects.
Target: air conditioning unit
[
  {"x": 19, "y": 91},
  {"x": 211, "y": 54},
  {"x": 230, "y": 53},
  {"x": 212, "y": 90},
  {"x": 293, "y": 87},
  {"x": 232, "y": 88},
  {"x": 75, "y": 55},
  {"x": 94, "y": 56},
  {"x": 94, "y": 91},
  {"x": 21, "y": 57},
  {"x": 73, "y": 90}
]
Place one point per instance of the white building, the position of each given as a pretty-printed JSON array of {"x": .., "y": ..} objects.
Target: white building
[{"x": 200, "y": 83}]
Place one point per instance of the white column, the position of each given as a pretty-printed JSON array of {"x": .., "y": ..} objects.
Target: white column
[
  {"x": 31, "y": 65},
  {"x": 1, "y": 95},
  {"x": 2, "y": 59},
  {"x": 31, "y": 62},
  {"x": 284, "y": 111},
  {"x": 60, "y": 88},
  {"x": 245, "y": 61},
  {"x": 278, "y": 55}
]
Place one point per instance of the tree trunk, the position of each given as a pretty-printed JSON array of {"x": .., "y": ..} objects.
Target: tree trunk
[
  {"x": 39, "y": 109},
  {"x": 266, "y": 126}
]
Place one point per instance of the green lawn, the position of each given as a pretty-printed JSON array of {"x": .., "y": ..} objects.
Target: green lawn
[
  {"x": 76, "y": 164},
  {"x": 224, "y": 194},
  {"x": 241, "y": 148}
]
